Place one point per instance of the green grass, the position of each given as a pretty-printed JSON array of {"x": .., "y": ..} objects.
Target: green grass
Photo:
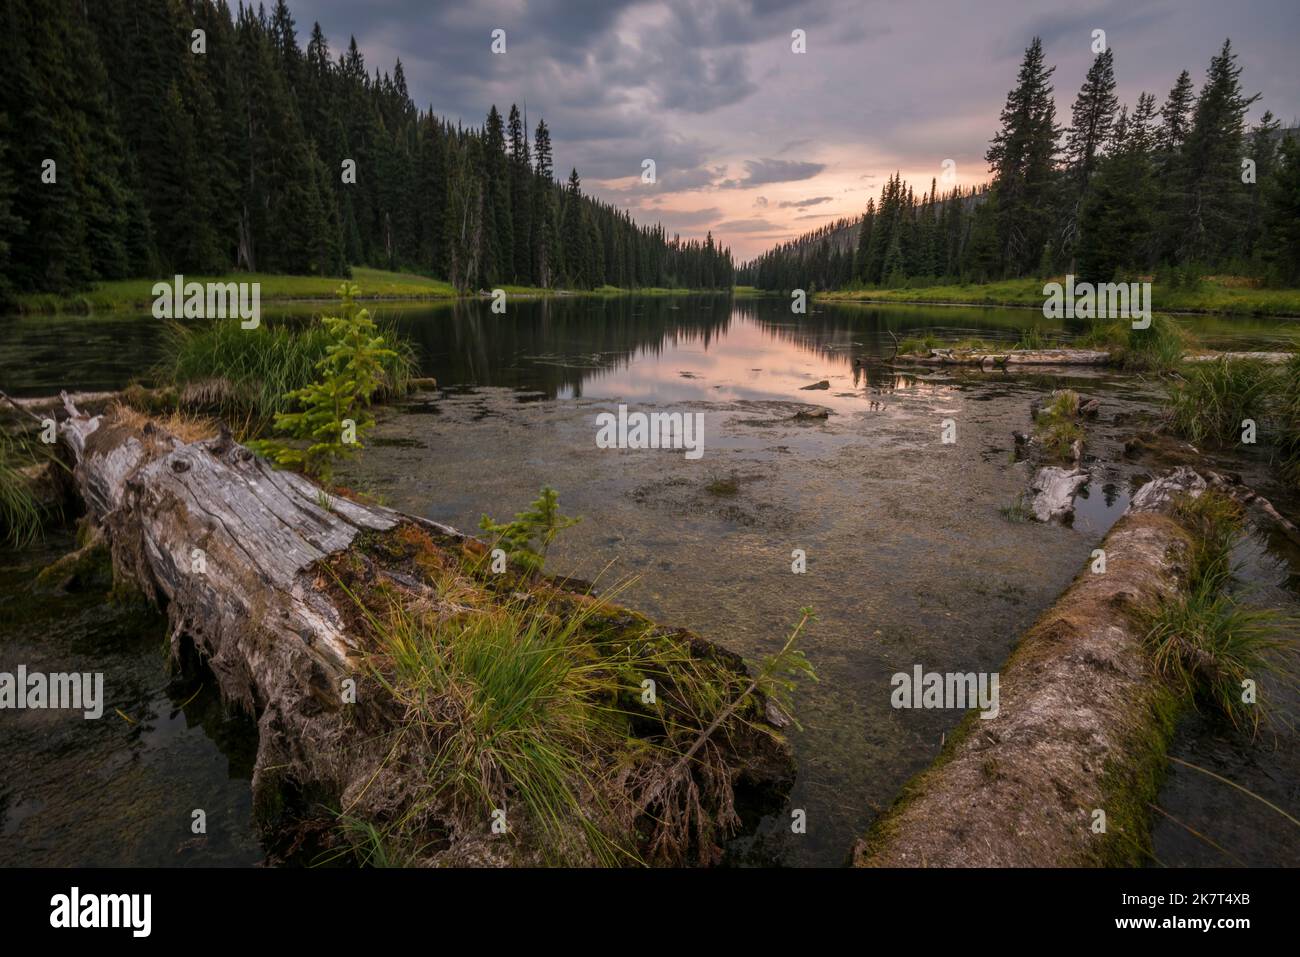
[
  {"x": 378, "y": 284},
  {"x": 20, "y": 514},
  {"x": 1286, "y": 420},
  {"x": 1057, "y": 425},
  {"x": 223, "y": 367},
  {"x": 1209, "y": 400},
  {"x": 1018, "y": 512},
  {"x": 1158, "y": 348},
  {"x": 138, "y": 293},
  {"x": 1204, "y": 642},
  {"x": 1227, "y": 295}
]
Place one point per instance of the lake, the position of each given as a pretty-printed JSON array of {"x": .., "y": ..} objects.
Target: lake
[{"x": 909, "y": 559}]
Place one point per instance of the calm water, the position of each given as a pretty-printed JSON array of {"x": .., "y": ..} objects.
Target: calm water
[{"x": 909, "y": 560}]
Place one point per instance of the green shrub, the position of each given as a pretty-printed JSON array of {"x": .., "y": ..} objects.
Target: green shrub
[
  {"x": 526, "y": 538},
  {"x": 331, "y": 415}
]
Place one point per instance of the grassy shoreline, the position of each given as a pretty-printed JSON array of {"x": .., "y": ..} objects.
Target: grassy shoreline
[
  {"x": 379, "y": 285},
  {"x": 1211, "y": 296}
]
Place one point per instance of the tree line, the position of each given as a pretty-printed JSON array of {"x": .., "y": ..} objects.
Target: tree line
[
  {"x": 1180, "y": 189},
  {"x": 241, "y": 149}
]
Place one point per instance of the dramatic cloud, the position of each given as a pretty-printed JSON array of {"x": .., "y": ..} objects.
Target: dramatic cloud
[{"x": 705, "y": 88}]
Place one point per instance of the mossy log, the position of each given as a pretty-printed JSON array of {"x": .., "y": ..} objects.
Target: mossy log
[
  {"x": 245, "y": 558},
  {"x": 1082, "y": 727}
]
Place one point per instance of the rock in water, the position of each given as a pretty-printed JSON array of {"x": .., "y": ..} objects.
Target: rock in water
[{"x": 1052, "y": 492}]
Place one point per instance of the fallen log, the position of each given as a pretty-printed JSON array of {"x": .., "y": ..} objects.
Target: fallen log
[
  {"x": 1013, "y": 357},
  {"x": 283, "y": 588},
  {"x": 1082, "y": 725}
]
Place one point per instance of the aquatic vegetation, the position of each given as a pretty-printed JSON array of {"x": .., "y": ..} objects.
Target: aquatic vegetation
[
  {"x": 1204, "y": 642},
  {"x": 20, "y": 512},
  {"x": 1210, "y": 400},
  {"x": 526, "y": 538},
  {"x": 1032, "y": 338},
  {"x": 1019, "y": 511},
  {"x": 918, "y": 346},
  {"x": 1158, "y": 348},
  {"x": 1057, "y": 425},
  {"x": 1286, "y": 420}
]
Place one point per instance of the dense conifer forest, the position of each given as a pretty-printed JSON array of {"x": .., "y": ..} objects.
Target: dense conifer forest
[
  {"x": 1178, "y": 189},
  {"x": 244, "y": 148}
]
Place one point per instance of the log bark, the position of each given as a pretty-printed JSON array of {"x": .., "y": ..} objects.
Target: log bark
[
  {"x": 235, "y": 551},
  {"x": 1082, "y": 725}
]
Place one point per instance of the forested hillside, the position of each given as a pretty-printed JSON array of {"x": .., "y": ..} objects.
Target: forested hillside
[
  {"x": 1183, "y": 189},
  {"x": 241, "y": 148}
]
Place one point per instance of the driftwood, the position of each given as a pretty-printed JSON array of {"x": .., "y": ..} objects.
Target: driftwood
[
  {"x": 1013, "y": 357},
  {"x": 239, "y": 555},
  {"x": 1081, "y": 728}
]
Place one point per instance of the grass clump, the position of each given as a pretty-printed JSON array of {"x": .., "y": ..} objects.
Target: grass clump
[
  {"x": 257, "y": 372},
  {"x": 1211, "y": 399},
  {"x": 1204, "y": 642},
  {"x": 21, "y": 515},
  {"x": 1286, "y": 416},
  {"x": 1158, "y": 348},
  {"x": 1018, "y": 512},
  {"x": 1032, "y": 339},
  {"x": 917, "y": 345},
  {"x": 1057, "y": 425},
  {"x": 603, "y": 738}
]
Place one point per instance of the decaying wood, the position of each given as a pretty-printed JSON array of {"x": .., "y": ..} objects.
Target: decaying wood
[
  {"x": 233, "y": 549},
  {"x": 1013, "y": 357},
  {"x": 1081, "y": 725}
]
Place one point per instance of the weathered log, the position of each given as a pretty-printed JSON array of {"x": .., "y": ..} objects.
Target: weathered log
[
  {"x": 241, "y": 556},
  {"x": 1013, "y": 357},
  {"x": 1082, "y": 725}
]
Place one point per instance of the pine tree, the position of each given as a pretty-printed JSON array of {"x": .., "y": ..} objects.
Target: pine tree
[
  {"x": 1022, "y": 156},
  {"x": 1174, "y": 114},
  {"x": 1093, "y": 116},
  {"x": 1209, "y": 187}
]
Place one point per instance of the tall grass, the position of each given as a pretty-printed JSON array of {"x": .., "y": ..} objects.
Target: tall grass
[
  {"x": 20, "y": 513},
  {"x": 1210, "y": 400},
  {"x": 223, "y": 367},
  {"x": 1204, "y": 642},
  {"x": 1158, "y": 348},
  {"x": 1286, "y": 420}
]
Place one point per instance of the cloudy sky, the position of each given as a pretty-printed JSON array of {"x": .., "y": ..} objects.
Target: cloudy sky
[{"x": 758, "y": 143}]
